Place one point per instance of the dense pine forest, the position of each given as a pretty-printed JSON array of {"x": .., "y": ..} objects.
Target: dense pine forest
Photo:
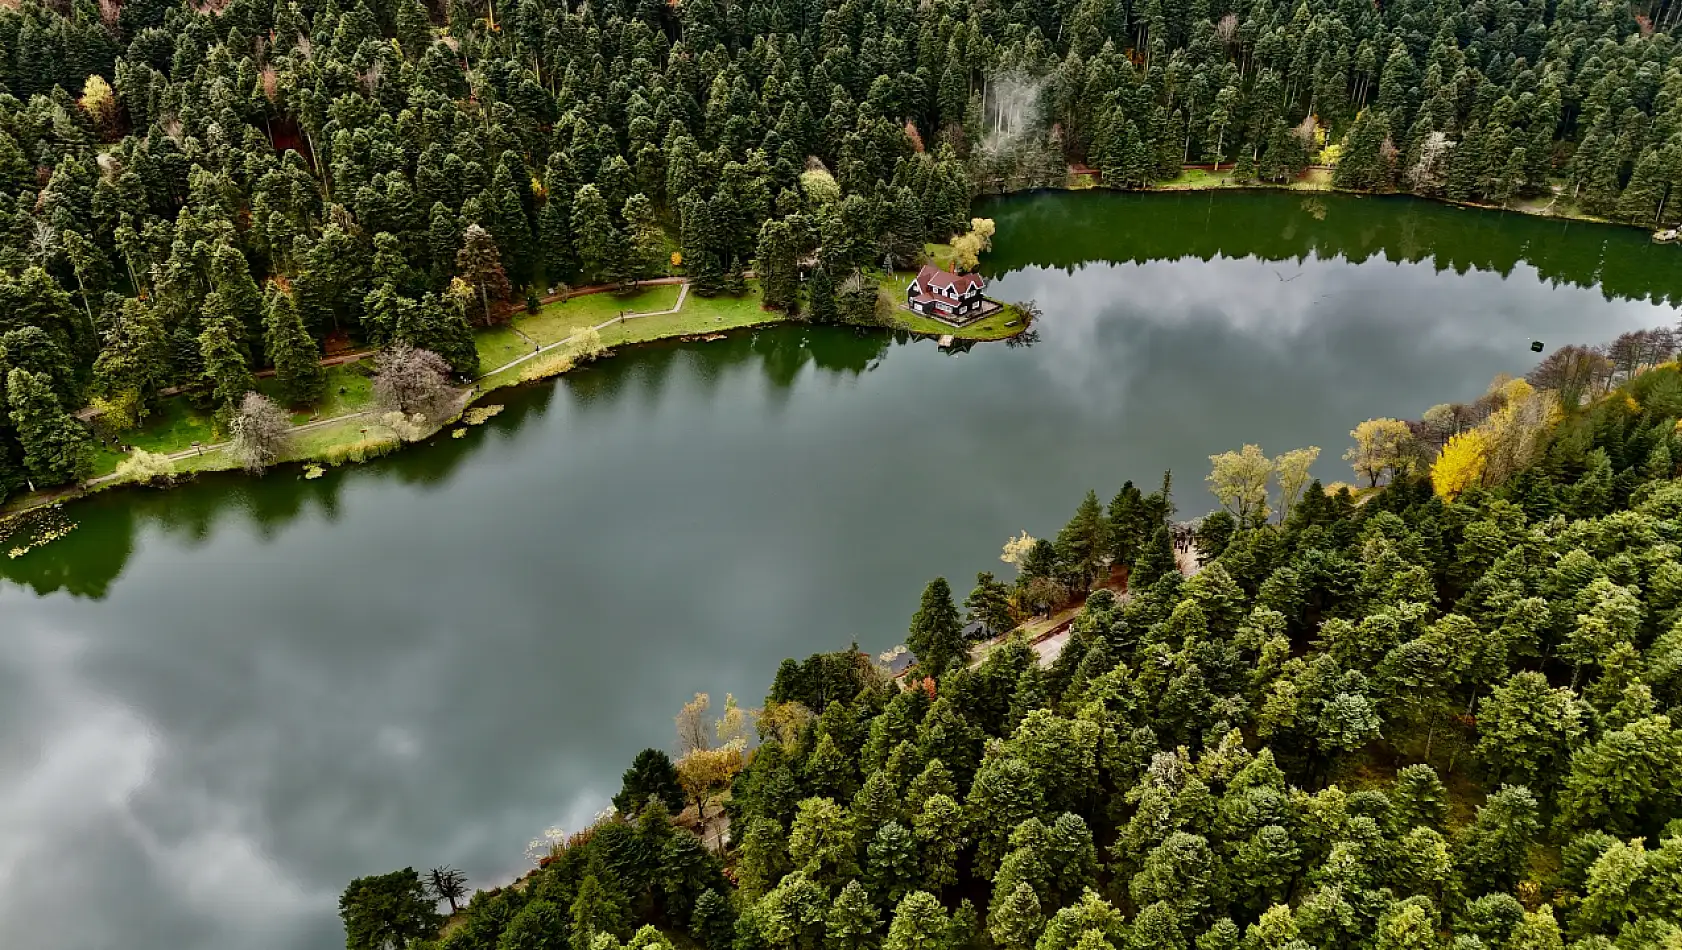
[
  {"x": 194, "y": 192},
  {"x": 1437, "y": 715}
]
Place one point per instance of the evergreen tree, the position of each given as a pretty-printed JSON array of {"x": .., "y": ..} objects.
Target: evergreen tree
[
  {"x": 936, "y": 636},
  {"x": 853, "y": 922},
  {"x": 1155, "y": 562},
  {"x": 439, "y": 325},
  {"x": 224, "y": 363},
  {"x": 1493, "y": 850},
  {"x": 1639, "y": 203},
  {"x": 297, "y": 362},
  {"x": 651, "y": 775},
  {"x": 601, "y": 247},
  {"x": 821, "y": 297},
  {"x": 891, "y": 865},
  {"x": 56, "y": 448},
  {"x": 989, "y": 603},
  {"x": 1365, "y": 165},
  {"x": 1015, "y": 922},
  {"x": 779, "y": 272},
  {"x": 1084, "y": 543},
  {"x": 919, "y": 923},
  {"x": 386, "y": 910},
  {"x": 479, "y": 265},
  {"x": 237, "y": 293},
  {"x": 645, "y": 250}
]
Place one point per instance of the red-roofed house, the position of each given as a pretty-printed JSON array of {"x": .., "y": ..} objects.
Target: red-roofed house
[{"x": 948, "y": 296}]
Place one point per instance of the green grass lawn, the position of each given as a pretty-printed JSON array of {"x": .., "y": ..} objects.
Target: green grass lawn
[
  {"x": 557, "y": 321},
  {"x": 172, "y": 427},
  {"x": 993, "y": 327},
  {"x": 350, "y": 388},
  {"x": 940, "y": 255},
  {"x": 176, "y": 424},
  {"x": 1193, "y": 178},
  {"x": 497, "y": 346},
  {"x": 699, "y": 315},
  {"x": 309, "y": 444}
]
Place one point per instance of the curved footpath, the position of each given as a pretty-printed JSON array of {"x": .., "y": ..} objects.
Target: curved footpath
[
  {"x": 682, "y": 295},
  {"x": 467, "y": 394}
]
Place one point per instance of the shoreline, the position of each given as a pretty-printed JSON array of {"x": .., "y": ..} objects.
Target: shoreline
[
  {"x": 339, "y": 440},
  {"x": 359, "y": 435},
  {"x": 1317, "y": 180}
]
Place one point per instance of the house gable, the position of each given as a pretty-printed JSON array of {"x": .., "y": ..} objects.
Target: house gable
[{"x": 936, "y": 291}]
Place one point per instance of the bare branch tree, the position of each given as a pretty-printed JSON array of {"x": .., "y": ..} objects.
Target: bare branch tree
[
  {"x": 1571, "y": 371},
  {"x": 1429, "y": 172},
  {"x": 447, "y": 884},
  {"x": 43, "y": 242},
  {"x": 692, "y": 725},
  {"x": 413, "y": 380},
  {"x": 261, "y": 431}
]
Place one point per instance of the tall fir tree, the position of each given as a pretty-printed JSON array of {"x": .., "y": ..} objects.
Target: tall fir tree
[
  {"x": 225, "y": 367},
  {"x": 56, "y": 448},
  {"x": 936, "y": 634},
  {"x": 297, "y": 361},
  {"x": 777, "y": 268}
]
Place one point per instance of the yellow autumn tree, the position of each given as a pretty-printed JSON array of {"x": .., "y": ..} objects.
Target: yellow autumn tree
[
  {"x": 1239, "y": 480},
  {"x": 1516, "y": 433},
  {"x": 1461, "y": 464},
  {"x": 703, "y": 773},
  {"x": 1293, "y": 471},
  {"x": 586, "y": 344},
  {"x": 100, "y": 103},
  {"x": 1382, "y": 447},
  {"x": 969, "y": 246},
  {"x": 1016, "y": 550}
]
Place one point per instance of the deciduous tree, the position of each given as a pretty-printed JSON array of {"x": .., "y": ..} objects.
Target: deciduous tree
[
  {"x": 412, "y": 380},
  {"x": 1239, "y": 480},
  {"x": 260, "y": 432}
]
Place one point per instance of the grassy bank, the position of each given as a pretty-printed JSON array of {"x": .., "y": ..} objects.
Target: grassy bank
[
  {"x": 176, "y": 424},
  {"x": 698, "y": 315},
  {"x": 1556, "y": 204},
  {"x": 556, "y": 321},
  {"x": 1008, "y": 322},
  {"x": 342, "y": 427},
  {"x": 648, "y": 313}
]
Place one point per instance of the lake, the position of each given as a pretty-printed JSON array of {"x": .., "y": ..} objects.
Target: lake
[{"x": 219, "y": 704}]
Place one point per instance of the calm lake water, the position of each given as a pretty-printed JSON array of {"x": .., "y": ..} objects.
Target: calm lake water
[{"x": 220, "y": 703}]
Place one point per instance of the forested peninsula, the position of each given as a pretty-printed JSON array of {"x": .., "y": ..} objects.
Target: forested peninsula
[
  {"x": 1428, "y": 715},
  {"x": 197, "y": 194}
]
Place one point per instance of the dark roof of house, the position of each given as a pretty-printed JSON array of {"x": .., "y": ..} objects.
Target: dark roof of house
[{"x": 934, "y": 283}]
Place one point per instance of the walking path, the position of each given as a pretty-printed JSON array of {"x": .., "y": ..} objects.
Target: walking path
[
  {"x": 682, "y": 295},
  {"x": 215, "y": 446}
]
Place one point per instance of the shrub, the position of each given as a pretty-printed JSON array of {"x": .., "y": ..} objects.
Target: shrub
[
  {"x": 146, "y": 468},
  {"x": 550, "y": 364},
  {"x": 360, "y": 451}
]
